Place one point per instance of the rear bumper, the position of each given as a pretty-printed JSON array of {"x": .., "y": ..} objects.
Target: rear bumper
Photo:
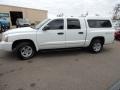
[{"x": 6, "y": 46}]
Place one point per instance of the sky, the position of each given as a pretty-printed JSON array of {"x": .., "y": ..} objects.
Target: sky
[{"x": 68, "y": 7}]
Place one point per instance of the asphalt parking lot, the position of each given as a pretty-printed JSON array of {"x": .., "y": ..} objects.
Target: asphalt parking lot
[{"x": 61, "y": 70}]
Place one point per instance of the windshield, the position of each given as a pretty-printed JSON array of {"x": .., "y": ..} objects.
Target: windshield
[{"x": 41, "y": 24}]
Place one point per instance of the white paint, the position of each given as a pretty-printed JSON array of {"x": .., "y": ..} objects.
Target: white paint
[{"x": 50, "y": 39}]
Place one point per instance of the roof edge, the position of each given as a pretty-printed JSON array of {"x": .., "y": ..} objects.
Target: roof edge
[{"x": 23, "y": 7}]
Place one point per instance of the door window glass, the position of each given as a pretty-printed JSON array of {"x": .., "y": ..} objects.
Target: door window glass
[
  {"x": 73, "y": 24},
  {"x": 56, "y": 25}
]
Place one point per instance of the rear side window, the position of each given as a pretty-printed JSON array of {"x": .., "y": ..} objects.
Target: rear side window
[
  {"x": 73, "y": 24},
  {"x": 56, "y": 24},
  {"x": 99, "y": 23}
]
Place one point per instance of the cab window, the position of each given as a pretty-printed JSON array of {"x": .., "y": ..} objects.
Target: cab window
[
  {"x": 73, "y": 24},
  {"x": 57, "y": 24},
  {"x": 99, "y": 23}
]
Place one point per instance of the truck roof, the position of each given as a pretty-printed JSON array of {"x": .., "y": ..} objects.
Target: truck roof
[
  {"x": 88, "y": 17},
  {"x": 97, "y": 17}
]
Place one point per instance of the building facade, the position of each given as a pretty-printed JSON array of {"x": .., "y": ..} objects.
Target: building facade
[{"x": 11, "y": 13}]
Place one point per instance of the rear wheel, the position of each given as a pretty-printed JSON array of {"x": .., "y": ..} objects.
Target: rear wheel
[
  {"x": 24, "y": 51},
  {"x": 96, "y": 46}
]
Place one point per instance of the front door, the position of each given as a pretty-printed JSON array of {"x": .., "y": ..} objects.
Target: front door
[{"x": 52, "y": 35}]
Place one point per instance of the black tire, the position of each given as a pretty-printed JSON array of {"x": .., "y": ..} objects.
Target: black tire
[
  {"x": 20, "y": 49},
  {"x": 96, "y": 46}
]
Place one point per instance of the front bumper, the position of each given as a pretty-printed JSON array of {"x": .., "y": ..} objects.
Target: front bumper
[{"x": 6, "y": 46}]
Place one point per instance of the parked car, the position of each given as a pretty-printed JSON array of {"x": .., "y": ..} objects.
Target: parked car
[
  {"x": 59, "y": 33},
  {"x": 117, "y": 34},
  {"x": 4, "y": 24},
  {"x": 22, "y": 22}
]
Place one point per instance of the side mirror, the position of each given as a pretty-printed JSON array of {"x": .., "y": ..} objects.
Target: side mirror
[{"x": 46, "y": 28}]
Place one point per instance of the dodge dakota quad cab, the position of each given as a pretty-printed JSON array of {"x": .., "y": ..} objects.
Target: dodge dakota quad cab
[{"x": 59, "y": 33}]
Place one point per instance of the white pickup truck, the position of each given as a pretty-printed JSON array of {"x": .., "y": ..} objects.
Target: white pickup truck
[{"x": 59, "y": 33}]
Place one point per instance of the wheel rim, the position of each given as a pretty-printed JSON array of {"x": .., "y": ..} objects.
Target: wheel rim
[
  {"x": 97, "y": 47},
  {"x": 26, "y": 51}
]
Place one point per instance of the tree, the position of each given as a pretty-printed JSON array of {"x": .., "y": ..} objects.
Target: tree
[{"x": 116, "y": 14}]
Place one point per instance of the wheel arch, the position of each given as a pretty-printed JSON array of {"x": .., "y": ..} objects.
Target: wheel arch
[
  {"x": 15, "y": 43},
  {"x": 100, "y": 38}
]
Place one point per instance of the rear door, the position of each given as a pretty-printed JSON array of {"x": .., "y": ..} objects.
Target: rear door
[{"x": 75, "y": 32}]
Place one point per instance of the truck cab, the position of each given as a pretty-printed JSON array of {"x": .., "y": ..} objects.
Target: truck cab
[{"x": 62, "y": 33}]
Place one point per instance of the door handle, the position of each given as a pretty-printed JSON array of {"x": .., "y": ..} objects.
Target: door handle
[
  {"x": 80, "y": 32},
  {"x": 60, "y": 33}
]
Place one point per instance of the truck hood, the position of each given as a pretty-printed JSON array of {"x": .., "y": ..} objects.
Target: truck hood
[{"x": 20, "y": 30}]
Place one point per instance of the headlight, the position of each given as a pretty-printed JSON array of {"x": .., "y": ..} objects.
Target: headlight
[{"x": 5, "y": 38}]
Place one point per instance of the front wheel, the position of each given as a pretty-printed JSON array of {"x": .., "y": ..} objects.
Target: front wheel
[
  {"x": 96, "y": 46},
  {"x": 24, "y": 51}
]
